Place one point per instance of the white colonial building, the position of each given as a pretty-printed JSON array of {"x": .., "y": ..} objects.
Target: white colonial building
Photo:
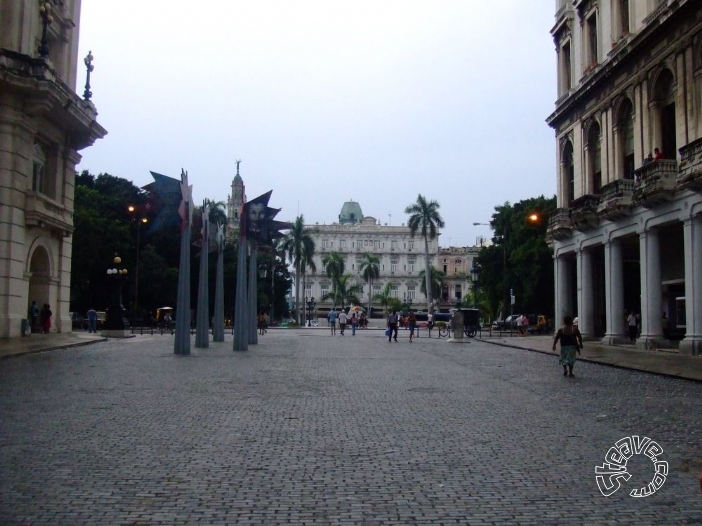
[
  {"x": 43, "y": 126},
  {"x": 628, "y": 234},
  {"x": 401, "y": 260}
]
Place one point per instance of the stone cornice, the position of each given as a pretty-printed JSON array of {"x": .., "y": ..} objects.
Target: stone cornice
[
  {"x": 633, "y": 47},
  {"x": 46, "y": 96}
]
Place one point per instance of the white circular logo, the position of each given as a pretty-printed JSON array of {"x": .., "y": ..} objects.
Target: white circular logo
[{"x": 609, "y": 474}]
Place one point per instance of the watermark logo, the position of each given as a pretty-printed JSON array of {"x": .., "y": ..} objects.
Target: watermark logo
[{"x": 610, "y": 474}]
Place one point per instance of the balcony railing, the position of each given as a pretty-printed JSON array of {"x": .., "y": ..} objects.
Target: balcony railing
[
  {"x": 559, "y": 225},
  {"x": 690, "y": 175},
  {"x": 656, "y": 13},
  {"x": 44, "y": 212},
  {"x": 616, "y": 199},
  {"x": 583, "y": 212},
  {"x": 655, "y": 182}
]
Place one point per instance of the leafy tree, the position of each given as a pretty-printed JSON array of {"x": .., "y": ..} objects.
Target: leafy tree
[
  {"x": 299, "y": 247},
  {"x": 103, "y": 228},
  {"x": 370, "y": 270},
  {"x": 519, "y": 258},
  {"x": 425, "y": 217}
]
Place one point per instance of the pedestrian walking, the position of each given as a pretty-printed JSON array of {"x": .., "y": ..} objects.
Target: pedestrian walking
[
  {"x": 392, "y": 325},
  {"x": 411, "y": 324},
  {"x": 571, "y": 341},
  {"x": 261, "y": 323},
  {"x": 332, "y": 321},
  {"x": 354, "y": 324},
  {"x": 92, "y": 320},
  {"x": 632, "y": 324},
  {"x": 430, "y": 322},
  {"x": 342, "y": 321}
]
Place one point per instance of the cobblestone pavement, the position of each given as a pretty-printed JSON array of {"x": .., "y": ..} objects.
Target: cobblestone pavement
[{"x": 306, "y": 428}]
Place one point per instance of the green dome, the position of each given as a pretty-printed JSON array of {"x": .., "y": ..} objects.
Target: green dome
[{"x": 350, "y": 213}]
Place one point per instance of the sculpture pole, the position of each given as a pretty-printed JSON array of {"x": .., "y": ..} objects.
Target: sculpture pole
[
  {"x": 218, "y": 323},
  {"x": 181, "y": 344},
  {"x": 253, "y": 296},
  {"x": 202, "y": 326},
  {"x": 241, "y": 327}
]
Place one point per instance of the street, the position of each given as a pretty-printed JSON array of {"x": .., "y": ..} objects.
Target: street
[{"x": 309, "y": 428}]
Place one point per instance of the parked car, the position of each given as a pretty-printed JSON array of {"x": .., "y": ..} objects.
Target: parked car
[{"x": 78, "y": 321}]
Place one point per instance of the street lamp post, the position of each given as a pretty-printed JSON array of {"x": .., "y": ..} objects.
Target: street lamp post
[
  {"x": 143, "y": 219},
  {"x": 46, "y": 19},
  {"x": 310, "y": 308},
  {"x": 116, "y": 275},
  {"x": 475, "y": 274},
  {"x": 88, "y": 61}
]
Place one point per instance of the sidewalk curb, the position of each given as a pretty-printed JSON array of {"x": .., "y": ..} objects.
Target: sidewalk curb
[
  {"x": 589, "y": 360},
  {"x": 48, "y": 349}
]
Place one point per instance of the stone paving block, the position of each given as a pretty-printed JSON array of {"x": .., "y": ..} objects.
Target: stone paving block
[{"x": 309, "y": 429}]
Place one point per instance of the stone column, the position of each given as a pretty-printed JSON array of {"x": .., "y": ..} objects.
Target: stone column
[
  {"x": 692, "y": 231},
  {"x": 562, "y": 289},
  {"x": 586, "y": 307},
  {"x": 614, "y": 293},
  {"x": 651, "y": 293}
]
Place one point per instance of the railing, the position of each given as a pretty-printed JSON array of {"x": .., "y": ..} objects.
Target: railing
[
  {"x": 655, "y": 181},
  {"x": 690, "y": 174},
  {"x": 559, "y": 224},
  {"x": 657, "y": 12},
  {"x": 618, "y": 46},
  {"x": 583, "y": 212},
  {"x": 616, "y": 198}
]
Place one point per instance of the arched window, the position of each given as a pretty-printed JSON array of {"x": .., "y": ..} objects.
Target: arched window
[
  {"x": 594, "y": 153},
  {"x": 664, "y": 109},
  {"x": 38, "y": 169},
  {"x": 568, "y": 173},
  {"x": 625, "y": 136}
]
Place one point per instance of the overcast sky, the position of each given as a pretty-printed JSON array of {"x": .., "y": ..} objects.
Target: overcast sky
[{"x": 327, "y": 101}]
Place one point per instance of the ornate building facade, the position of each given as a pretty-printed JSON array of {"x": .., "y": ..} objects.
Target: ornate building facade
[
  {"x": 455, "y": 263},
  {"x": 627, "y": 234},
  {"x": 43, "y": 126},
  {"x": 401, "y": 256}
]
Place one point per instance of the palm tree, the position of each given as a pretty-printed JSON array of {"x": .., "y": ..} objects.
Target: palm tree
[
  {"x": 425, "y": 216},
  {"x": 299, "y": 247},
  {"x": 387, "y": 300},
  {"x": 334, "y": 267},
  {"x": 344, "y": 292},
  {"x": 436, "y": 277},
  {"x": 307, "y": 262},
  {"x": 218, "y": 215},
  {"x": 370, "y": 270}
]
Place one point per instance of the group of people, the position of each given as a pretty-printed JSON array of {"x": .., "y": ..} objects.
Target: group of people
[
  {"x": 394, "y": 321},
  {"x": 522, "y": 325},
  {"x": 40, "y": 318},
  {"x": 353, "y": 319},
  {"x": 655, "y": 156}
]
